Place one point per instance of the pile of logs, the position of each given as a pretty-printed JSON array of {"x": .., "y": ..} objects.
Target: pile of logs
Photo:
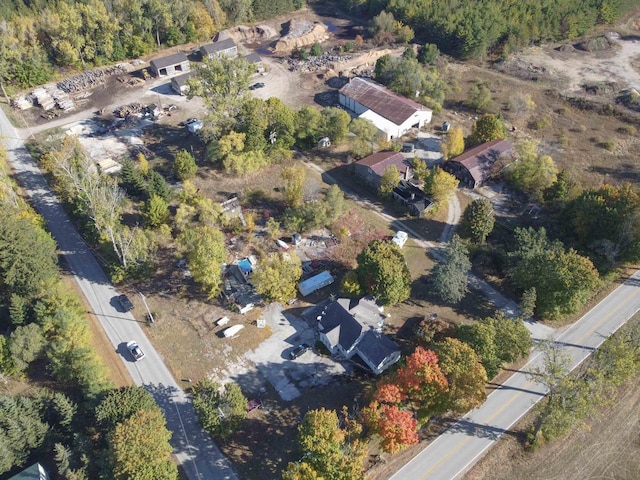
[{"x": 90, "y": 78}]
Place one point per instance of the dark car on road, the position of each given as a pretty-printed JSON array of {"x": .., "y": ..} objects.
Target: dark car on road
[
  {"x": 256, "y": 86},
  {"x": 298, "y": 351},
  {"x": 125, "y": 303},
  {"x": 135, "y": 350}
]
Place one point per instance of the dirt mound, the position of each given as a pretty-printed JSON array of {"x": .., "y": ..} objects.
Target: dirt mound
[
  {"x": 301, "y": 34},
  {"x": 242, "y": 33},
  {"x": 596, "y": 44},
  {"x": 567, "y": 48}
]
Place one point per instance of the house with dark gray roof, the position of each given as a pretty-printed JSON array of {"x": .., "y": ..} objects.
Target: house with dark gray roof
[
  {"x": 473, "y": 167},
  {"x": 223, "y": 47},
  {"x": 171, "y": 65},
  {"x": 371, "y": 169},
  {"x": 394, "y": 114},
  {"x": 411, "y": 197},
  {"x": 353, "y": 328}
]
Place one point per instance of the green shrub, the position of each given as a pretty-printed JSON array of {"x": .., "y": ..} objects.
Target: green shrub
[
  {"x": 350, "y": 286},
  {"x": 608, "y": 145},
  {"x": 541, "y": 123},
  {"x": 628, "y": 130}
]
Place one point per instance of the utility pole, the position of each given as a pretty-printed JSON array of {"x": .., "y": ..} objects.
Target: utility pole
[{"x": 144, "y": 300}]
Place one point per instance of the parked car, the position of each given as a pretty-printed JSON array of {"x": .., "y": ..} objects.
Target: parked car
[
  {"x": 256, "y": 86},
  {"x": 298, "y": 351},
  {"x": 125, "y": 303},
  {"x": 136, "y": 351}
]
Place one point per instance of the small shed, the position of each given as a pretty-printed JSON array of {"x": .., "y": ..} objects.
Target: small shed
[
  {"x": 255, "y": 60},
  {"x": 223, "y": 47},
  {"x": 179, "y": 83},
  {"x": 171, "y": 65},
  {"x": 314, "y": 283}
]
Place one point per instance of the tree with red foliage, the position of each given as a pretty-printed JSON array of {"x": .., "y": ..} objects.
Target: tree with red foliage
[
  {"x": 422, "y": 381},
  {"x": 397, "y": 428}
]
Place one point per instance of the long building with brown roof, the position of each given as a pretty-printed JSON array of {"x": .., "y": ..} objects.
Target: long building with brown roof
[
  {"x": 472, "y": 168},
  {"x": 394, "y": 114}
]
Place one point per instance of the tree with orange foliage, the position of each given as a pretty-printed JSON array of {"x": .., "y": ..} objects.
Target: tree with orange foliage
[
  {"x": 396, "y": 427},
  {"x": 422, "y": 381}
]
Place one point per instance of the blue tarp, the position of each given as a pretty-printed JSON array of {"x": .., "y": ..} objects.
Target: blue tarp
[
  {"x": 245, "y": 266},
  {"x": 314, "y": 283}
]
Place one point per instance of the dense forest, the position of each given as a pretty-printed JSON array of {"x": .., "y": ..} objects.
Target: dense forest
[
  {"x": 473, "y": 28},
  {"x": 39, "y": 35}
]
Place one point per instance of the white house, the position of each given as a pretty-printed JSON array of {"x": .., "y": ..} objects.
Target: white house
[
  {"x": 394, "y": 114},
  {"x": 352, "y": 328}
]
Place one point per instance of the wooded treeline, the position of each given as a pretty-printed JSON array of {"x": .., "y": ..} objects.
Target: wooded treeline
[
  {"x": 39, "y": 35},
  {"x": 473, "y": 28}
]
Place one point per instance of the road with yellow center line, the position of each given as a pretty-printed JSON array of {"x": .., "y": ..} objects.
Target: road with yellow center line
[{"x": 461, "y": 446}]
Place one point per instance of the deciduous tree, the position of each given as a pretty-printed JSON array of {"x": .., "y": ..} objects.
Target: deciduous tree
[
  {"x": 205, "y": 252},
  {"x": 396, "y": 427},
  {"x": 336, "y": 124},
  {"x": 453, "y": 143},
  {"x": 277, "y": 277},
  {"x": 478, "y": 220},
  {"x": 140, "y": 449},
  {"x": 487, "y": 128},
  {"x": 563, "y": 280},
  {"x": 440, "y": 185},
  {"x": 223, "y": 84},
  {"x": 466, "y": 376},
  {"x": 389, "y": 180},
  {"x": 383, "y": 272},
  {"x": 221, "y": 409},
  {"x": 532, "y": 173},
  {"x": 479, "y": 97},
  {"x": 293, "y": 178},
  {"x": 365, "y": 133}
]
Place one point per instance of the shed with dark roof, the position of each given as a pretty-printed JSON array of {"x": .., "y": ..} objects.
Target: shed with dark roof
[
  {"x": 392, "y": 113},
  {"x": 223, "y": 47},
  {"x": 255, "y": 60},
  {"x": 473, "y": 167},
  {"x": 179, "y": 83},
  {"x": 170, "y": 65},
  {"x": 371, "y": 169}
]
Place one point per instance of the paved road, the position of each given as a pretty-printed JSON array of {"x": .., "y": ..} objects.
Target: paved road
[
  {"x": 194, "y": 449},
  {"x": 459, "y": 448}
]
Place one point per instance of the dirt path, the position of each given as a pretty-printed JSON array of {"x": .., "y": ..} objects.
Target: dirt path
[{"x": 454, "y": 213}]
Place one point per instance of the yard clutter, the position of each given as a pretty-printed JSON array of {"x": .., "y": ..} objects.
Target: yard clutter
[{"x": 90, "y": 78}]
